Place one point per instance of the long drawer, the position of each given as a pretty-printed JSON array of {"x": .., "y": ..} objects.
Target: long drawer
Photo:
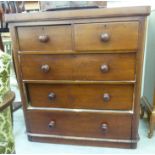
[
  {"x": 106, "y": 36},
  {"x": 78, "y": 67},
  {"x": 79, "y": 124},
  {"x": 81, "y": 96},
  {"x": 45, "y": 38}
]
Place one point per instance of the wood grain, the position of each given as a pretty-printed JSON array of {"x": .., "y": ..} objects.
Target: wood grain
[
  {"x": 122, "y": 36},
  {"x": 59, "y": 36},
  {"x": 80, "y": 14},
  {"x": 81, "y": 96},
  {"x": 71, "y": 66},
  {"x": 79, "y": 67},
  {"x": 80, "y": 124},
  {"x": 44, "y": 139}
]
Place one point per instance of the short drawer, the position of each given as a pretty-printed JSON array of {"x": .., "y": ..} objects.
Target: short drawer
[
  {"x": 78, "y": 67},
  {"x": 81, "y": 96},
  {"x": 106, "y": 36},
  {"x": 79, "y": 124},
  {"x": 45, "y": 38}
]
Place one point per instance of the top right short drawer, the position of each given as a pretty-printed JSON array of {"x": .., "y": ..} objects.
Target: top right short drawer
[{"x": 112, "y": 36}]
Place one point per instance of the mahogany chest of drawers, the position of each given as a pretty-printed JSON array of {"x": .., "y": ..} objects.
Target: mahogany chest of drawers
[{"x": 79, "y": 73}]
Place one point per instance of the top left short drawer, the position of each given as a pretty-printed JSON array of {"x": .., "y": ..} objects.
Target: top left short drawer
[{"x": 45, "y": 38}]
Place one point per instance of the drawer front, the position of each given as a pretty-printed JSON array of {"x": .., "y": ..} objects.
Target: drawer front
[
  {"x": 81, "y": 96},
  {"x": 78, "y": 67},
  {"x": 106, "y": 36},
  {"x": 45, "y": 38},
  {"x": 79, "y": 124}
]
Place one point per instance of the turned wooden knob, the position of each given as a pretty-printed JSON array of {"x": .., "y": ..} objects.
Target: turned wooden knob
[
  {"x": 51, "y": 96},
  {"x": 104, "y": 68},
  {"x": 106, "y": 97},
  {"x": 51, "y": 124},
  {"x": 104, "y": 127},
  {"x": 105, "y": 37},
  {"x": 45, "y": 68},
  {"x": 43, "y": 38}
]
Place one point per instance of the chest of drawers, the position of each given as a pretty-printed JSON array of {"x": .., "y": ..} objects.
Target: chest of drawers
[{"x": 79, "y": 73}]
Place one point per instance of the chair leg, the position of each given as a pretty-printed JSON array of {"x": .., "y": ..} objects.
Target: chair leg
[
  {"x": 11, "y": 110},
  {"x": 142, "y": 111},
  {"x": 151, "y": 127}
]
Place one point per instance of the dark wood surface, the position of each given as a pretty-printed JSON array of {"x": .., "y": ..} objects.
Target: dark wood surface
[
  {"x": 85, "y": 66},
  {"x": 78, "y": 67},
  {"x": 57, "y": 36},
  {"x": 80, "y": 124},
  {"x": 88, "y": 37},
  {"x": 81, "y": 96},
  {"x": 80, "y": 14},
  {"x": 36, "y": 138},
  {"x": 7, "y": 101},
  {"x": 1, "y": 43}
]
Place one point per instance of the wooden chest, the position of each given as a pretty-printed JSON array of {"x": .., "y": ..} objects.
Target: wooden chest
[{"x": 79, "y": 73}]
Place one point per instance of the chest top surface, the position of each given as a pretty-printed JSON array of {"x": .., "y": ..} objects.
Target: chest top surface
[{"x": 79, "y": 14}]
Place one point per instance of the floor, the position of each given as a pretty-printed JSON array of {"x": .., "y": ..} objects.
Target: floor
[{"x": 145, "y": 145}]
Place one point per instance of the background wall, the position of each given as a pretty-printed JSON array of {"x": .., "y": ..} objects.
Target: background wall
[
  {"x": 120, "y": 3},
  {"x": 148, "y": 83}
]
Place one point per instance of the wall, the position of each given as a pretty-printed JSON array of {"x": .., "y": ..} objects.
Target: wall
[{"x": 148, "y": 83}]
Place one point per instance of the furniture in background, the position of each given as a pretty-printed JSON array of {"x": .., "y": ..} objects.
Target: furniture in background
[
  {"x": 7, "y": 7},
  {"x": 7, "y": 43},
  {"x": 6, "y": 99},
  {"x": 1, "y": 44},
  {"x": 149, "y": 108},
  {"x": 79, "y": 73},
  {"x": 148, "y": 86},
  {"x": 59, "y": 5}
]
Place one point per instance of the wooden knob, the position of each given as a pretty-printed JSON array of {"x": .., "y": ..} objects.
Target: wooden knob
[
  {"x": 106, "y": 97},
  {"x": 51, "y": 96},
  {"x": 104, "y": 68},
  {"x": 104, "y": 127},
  {"x": 45, "y": 68},
  {"x": 51, "y": 124},
  {"x": 105, "y": 37},
  {"x": 43, "y": 38}
]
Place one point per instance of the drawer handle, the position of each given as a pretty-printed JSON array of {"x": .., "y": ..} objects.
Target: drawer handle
[
  {"x": 43, "y": 38},
  {"x": 106, "y": 97},
  {"x": 51, "y": 124},
  {"x": 105, "y": 37},
  {"x": 104, "y": 68},
  {"x": 45, "y": 68},
  {"x": 104, "y": 127},
  {"x": 51, "y": 96}
]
